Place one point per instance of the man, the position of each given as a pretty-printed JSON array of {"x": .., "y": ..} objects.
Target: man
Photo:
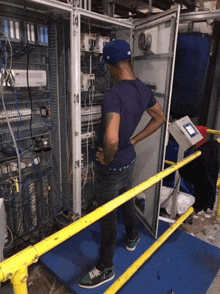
[{"x": 123, "y": 108}]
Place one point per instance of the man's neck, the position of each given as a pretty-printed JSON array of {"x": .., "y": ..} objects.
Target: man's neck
[{"x": 125, "y": 75}]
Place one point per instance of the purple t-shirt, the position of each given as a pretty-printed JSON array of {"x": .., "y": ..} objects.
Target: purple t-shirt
[{"x": 129, "y": 98}]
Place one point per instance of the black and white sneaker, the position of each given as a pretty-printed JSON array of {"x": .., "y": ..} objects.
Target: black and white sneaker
[
  {"x": 131, "y": 244},
  {"x": 97, "y": 278}
]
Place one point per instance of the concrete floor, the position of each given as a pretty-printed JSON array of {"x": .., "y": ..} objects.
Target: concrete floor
[
  {"x": 205, "y": 227},
  {"x": 202, "y": 226},
  {"x": 40, "y": 281}
]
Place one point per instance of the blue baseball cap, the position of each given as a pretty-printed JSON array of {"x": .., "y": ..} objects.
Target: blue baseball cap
[{"x": 115, "y": 51}]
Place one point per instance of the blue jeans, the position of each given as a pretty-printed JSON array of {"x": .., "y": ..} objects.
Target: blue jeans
[{"x": 109, "y": 185}]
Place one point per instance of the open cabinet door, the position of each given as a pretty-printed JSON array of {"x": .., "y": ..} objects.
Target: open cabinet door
[{"x": 154, "y": 49}]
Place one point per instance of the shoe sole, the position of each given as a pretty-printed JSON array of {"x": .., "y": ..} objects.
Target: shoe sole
[
  {"x": 132, "y": 249},
  {"x": 97, "y": 285}
]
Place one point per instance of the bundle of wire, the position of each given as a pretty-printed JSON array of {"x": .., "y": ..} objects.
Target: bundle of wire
[{"x": 5, "y": 76}]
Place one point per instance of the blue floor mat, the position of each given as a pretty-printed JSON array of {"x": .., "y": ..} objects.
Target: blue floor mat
[{"x": 184, "y": 263}]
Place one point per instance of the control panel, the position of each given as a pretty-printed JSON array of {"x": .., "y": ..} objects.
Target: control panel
[{"x": 185, "y": 133}]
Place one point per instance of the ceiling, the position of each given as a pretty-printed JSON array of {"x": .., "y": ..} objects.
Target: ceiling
[{"x": 138, "y": 8}]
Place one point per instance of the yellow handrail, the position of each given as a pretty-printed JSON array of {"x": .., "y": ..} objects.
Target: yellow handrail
[
  {"x": 214, "y": 132},
  {"x": 147, "y": 254},
  {"x": 15, "y": 267},
  {"x": 170, "y": 162}
]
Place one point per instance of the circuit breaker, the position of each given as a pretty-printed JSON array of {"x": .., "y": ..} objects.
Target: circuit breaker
[
  {"x": 88, "y": 42},
  {"x": 87, "y": 82},
  {"x": 100, "y": 43}
]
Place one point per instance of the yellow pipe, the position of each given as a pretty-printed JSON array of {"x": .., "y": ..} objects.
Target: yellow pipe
[
  {"x": 10, "y": 266},
  {"x": 19, "y": 281},
  {"x": 215, "y": 132},
  {"x": 148, "y": 253},
  {"x": 32, "y": 253},
  {"x": 170, "y": 162}
]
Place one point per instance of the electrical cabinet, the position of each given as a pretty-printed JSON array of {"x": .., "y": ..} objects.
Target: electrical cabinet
[
  {"x": 34, "y": 114},
  {"x": 154, "y": 43},
  {"x": 53, "y": 97}
]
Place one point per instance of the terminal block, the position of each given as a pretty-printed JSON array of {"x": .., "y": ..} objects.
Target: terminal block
[{"x": 15, "y": 115}]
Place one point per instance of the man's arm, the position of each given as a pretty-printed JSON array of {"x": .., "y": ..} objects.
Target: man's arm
[
  {"x": 158, "y": 118},
  {"x": 111, "y": 139}
]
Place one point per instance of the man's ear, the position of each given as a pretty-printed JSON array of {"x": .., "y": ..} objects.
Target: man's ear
[{"x": 110, "y": 68}]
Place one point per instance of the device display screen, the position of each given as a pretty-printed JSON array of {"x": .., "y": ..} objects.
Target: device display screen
[{"x": 190, "y": 130}]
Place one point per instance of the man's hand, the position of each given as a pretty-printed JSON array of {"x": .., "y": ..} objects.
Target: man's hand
[
  {"x": 158, "y": 118},
  {"x": 132, "y": 142},
  {"x": 100, "y": 156}
]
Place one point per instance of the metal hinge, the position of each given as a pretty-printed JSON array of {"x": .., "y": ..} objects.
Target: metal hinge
[
  {"x": 75, "y": 21},
  {"x": 77, "y": 164},
  {"x": 76, "y": 98}
]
